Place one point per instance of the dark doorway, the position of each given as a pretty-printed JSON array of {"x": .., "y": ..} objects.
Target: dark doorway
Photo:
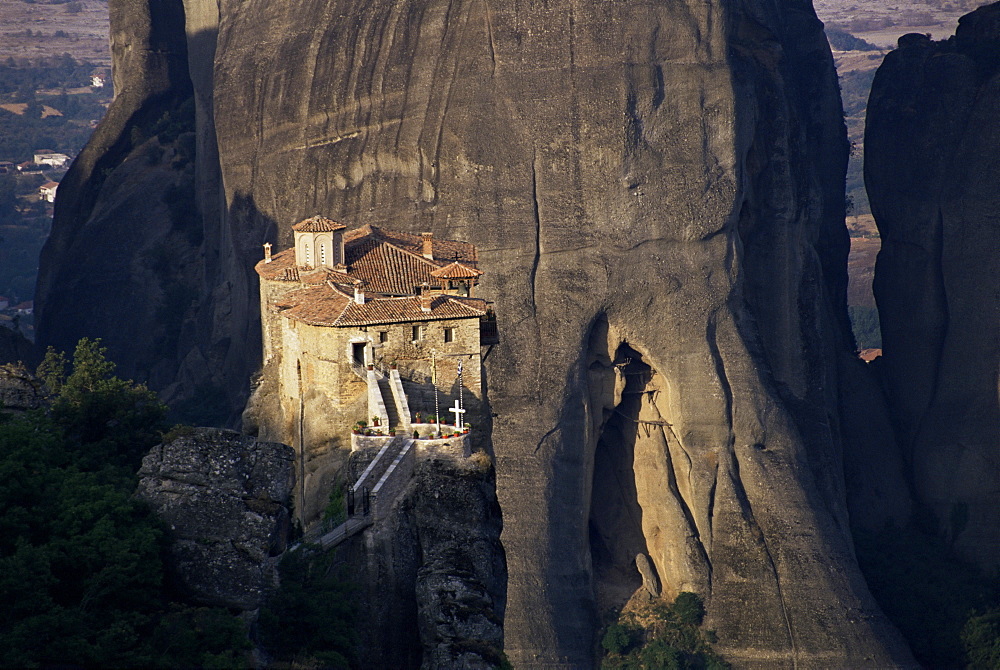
[{"x": 358, "y": 352}]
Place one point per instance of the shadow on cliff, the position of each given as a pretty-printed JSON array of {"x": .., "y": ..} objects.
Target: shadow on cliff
[{"x": 140, "y": 254}]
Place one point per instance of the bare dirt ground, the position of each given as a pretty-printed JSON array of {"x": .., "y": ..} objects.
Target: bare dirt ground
[
  {"x": 83, "y": 34},
  {"x": 883, "y": 22},
  {"x": 861, "y": 270}
]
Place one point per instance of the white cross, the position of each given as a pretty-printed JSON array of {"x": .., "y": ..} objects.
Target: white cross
[{"x": 457, "y": 409}]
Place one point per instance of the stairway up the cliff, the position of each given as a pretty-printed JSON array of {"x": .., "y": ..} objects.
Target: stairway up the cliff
[{"x": 385, "y": 389}]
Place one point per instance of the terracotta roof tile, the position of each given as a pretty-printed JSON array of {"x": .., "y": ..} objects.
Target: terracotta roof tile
[
  {"x": 387, "y": 269},
  {"x": 388, "y": 262},
  {"x": 331, "y": 306},
  {"x": 317, "y": 224},
  {"x": 456, "y": 271},
  {"x": 280, "y": 267},
  {"x": 396, "y": 310},
  {"x": 444, "y": 251}
]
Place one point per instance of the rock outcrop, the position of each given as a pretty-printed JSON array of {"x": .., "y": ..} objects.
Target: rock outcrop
[
  {"x": 931, "y": 147},
  {"x": 432, "y": 574},
  {"x": 224, "y": 497},
  {"x": 20, "y": 390},
  {"x": 657, "y": 192}
]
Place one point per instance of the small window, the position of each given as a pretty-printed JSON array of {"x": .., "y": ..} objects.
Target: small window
[
  {"x": 383, "y": 336},
  {"x": 322, "y": 254},
  {"x": 417, "y": 332},
  {"x": 449, "y": 334},
  {"x": 309, "y": 257}
]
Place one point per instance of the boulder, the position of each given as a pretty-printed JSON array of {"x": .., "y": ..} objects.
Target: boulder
[
  {"x": 224, "y": 497},
  {"x": 431, "y": 574}
]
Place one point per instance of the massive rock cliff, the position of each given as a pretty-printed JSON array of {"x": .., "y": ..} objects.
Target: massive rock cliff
[
  {"x": 931, "y": 147},
  {"x": 656, "y": 192}
]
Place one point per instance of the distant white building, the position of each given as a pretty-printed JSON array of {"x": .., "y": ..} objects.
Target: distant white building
[
  {"x": 47, "y": 191},
  {"x": 97, "y": 81},
  {"x": 51, "y": 158}
]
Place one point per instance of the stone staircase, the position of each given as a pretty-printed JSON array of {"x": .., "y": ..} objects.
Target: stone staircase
[{"x": 389, "y": 402}]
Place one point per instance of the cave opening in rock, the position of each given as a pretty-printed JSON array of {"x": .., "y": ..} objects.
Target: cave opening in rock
[{"x": 615, "y": 523}]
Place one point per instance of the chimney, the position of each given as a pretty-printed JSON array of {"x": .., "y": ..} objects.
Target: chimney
[
  {"x": 425, "y": 297},
  {"x": 267, "y": 252},
  {"x": 359, "y": 292},
  {"x": 428, "y": 245}
]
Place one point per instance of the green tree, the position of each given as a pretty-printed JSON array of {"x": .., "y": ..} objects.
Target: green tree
[
  {"x": 112, "y": 421},
  {"x": 81, "y": 560},
  {"x": 981, "y": 639},
  {"x": 311, "y": 618}
]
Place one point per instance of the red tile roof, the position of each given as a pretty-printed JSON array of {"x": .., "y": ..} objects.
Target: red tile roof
[
  {"x": 456, "y": 271},
  {"x": 386, "y": 268},
  {"x": 331, "y": 305},
  {"x": 445, "y": 251},
  {"x": 317, "y": 224},
  {"x": 387, "y": 262}
]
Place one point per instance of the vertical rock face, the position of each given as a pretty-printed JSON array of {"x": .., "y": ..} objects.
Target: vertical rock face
[
  {"x": 931, "y": 148},
  {"x": 656, "y": 190}
]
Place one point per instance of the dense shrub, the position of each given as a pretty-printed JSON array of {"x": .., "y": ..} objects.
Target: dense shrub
[
  {"x": 841, "y": 40},
  {"x": 309, "y": 622},
  {"x": 661, "y": 637},
  {"x": 866, "y": 326}
]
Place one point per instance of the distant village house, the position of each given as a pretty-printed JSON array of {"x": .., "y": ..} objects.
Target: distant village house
[
  {"x": 29, "y": 167},
  {"x": 47, "y": 191},
  {"x": 51, "y": 158},
  {"x": 97, "y": 81}
]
